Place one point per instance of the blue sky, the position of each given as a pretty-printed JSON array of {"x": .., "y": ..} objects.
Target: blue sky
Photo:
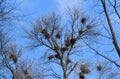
[
  {"x": 41, "y": 7},
  {"x": 38, "y": 7}
]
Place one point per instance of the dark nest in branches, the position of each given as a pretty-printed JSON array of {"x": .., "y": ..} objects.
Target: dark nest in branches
[
  {"x": 83, "y": 20},
  {"x": 84, "y": 69},
  {"x": 99, "y": 68},
  {"x": 57, "y": 48},
  {"x": 25, "y": 71},
  {"x": 67, "y": 43},
  {"x": 63, "y": 49},
  {"x": 88, "y": 26},
  {"x": 50, "y": 57},
  {"x": 58, "y": 36},
  {"x": 72, "y": 41},
  {"x": 44, "y": 31},
  {"x": 13, "y": 57},
  {"x": 81, "y": 75},
  {"x": 47, "y": 36},
  {"x": 81, "y": 32}
]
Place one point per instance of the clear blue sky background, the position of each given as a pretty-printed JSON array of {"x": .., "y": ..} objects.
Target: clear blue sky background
[{"x": 39, "y": 7}]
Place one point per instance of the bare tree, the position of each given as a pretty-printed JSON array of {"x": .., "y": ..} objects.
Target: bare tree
[
  {"x": 110, "y": 21},
  {"x": 11, "y": 66},
  {"x": 110, "y": 11},
  {"x": 7, "y": 12},
  {"x": 63, "y": 41},
  {"x": 10, "y": 60},
  {"x": 113, "y": 35}
]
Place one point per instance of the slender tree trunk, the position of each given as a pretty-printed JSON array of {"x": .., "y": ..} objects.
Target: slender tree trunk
[
  {"x": 65, "y": 74},
  {"x": 64, "y": 67},
  {"x": 111, "y": 27}
]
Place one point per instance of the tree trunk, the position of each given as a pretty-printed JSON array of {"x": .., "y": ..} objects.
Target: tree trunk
[
  {"x": 115, "y": 42},
  {"x": 64, "y": 71},
  {"x": 65, "y": 75}
]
